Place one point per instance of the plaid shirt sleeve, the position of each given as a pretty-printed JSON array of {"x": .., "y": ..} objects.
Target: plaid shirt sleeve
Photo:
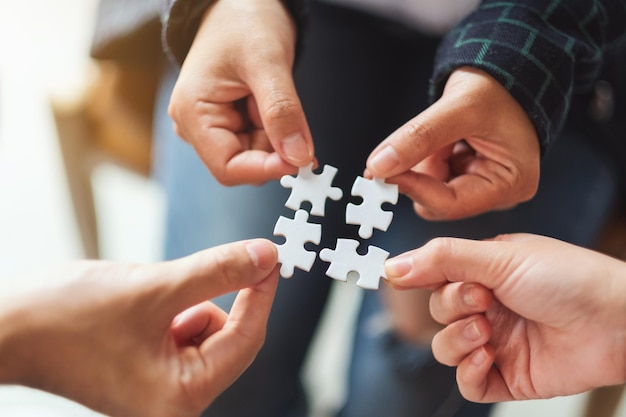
[
  {"x": 180, "y": 20},
  {"x": 541, "y": 51}
]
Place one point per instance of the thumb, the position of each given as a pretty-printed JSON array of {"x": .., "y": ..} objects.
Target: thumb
[
  {"x": 443, "y": 123},
  {"x": 282, "y": 116},
  {"x": 214, "y": 272}
]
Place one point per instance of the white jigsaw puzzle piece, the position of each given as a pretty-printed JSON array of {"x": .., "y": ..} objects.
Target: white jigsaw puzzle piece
[
  {"x": 345, "y": 259},
  {"x": 297, "y": 232},
  {"x": 369, "y": 214},
  {"x": 315, "y": 188}
]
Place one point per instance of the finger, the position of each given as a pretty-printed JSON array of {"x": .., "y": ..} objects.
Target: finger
[
  {"x": 221, "y": 138},
  {"x": 440, "y": 125},
  {"x": 457, "y": 300},
  {"x": 213, "y": 272},
  {"x": 195, "y": 324},
  {"x": 487, "y": 185},
  {"x": 457, "y": 340},
  {"x": 282, "y": 115},
  {"x": 192, "y": 118},
  {"x": 444, "y": 260},
  {"x": 231, "y": 164},
  {"x": 479, "y": 380},
  {"x": 230, "y": 351}
]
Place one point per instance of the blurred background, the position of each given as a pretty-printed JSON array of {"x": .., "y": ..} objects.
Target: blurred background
[{"x": 49, "y": 166}]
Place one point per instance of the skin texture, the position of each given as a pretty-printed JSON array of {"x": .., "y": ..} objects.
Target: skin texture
[
  {"x": 235, "y": 101},
  {"x": 526, "y": 316},
  {"x": 472, "y": 151},
  {"x": 141, "y": 340}
]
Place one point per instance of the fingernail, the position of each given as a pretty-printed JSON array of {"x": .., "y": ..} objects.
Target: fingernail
[
  {"x": 468, "y": 296},
  {"x": 384, "y": 161},
  {"x": 398, "y": 267},
  {"x": 262, "y": 253},
  {"x": 479, "y": 356},
  {"x": 471, "y": 332},
  {"x": 296, "y": 149}
]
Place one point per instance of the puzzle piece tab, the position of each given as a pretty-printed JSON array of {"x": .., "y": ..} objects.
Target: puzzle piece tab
[
  {"x": 369, "y": 214},
  {"x": 297, "y": 232},
  {"x": 315, "y": 188},
  {"x": 345, "y": 258}
]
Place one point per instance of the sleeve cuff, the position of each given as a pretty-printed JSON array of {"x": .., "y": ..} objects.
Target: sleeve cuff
[{"x": 180, "y": 20}]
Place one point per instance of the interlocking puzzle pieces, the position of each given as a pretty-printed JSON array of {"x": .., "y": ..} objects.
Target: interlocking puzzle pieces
[
  {"x": 345, "y": 259},
  {"x": 315, "y": 188},
  {"x": 297, "y": 232},
  {"x": 369, "y": 214}
]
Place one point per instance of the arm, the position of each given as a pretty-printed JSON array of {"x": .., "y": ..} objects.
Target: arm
[
  {"x": 541, "y": 52},
  {"x": 503, "y": 81},
  {"x": 142, "y": 340},
  {"x": 527, "y": 316},
  {"x": 181, "y": 18},
  {"x": 235, "y": 101}
]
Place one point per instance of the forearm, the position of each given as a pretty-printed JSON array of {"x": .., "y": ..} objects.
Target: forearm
[{"x": 542, "y": 52}]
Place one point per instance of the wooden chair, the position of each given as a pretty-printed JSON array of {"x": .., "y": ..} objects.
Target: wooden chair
[{"x": 111, "y": 122}]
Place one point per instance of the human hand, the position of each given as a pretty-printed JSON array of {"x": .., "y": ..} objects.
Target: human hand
[
  {"x": 472, "y": 151},
  {"x": 235, "y": 101},
  {"x": 141, "y": 340},
  {"x": 527, "y": 316}
]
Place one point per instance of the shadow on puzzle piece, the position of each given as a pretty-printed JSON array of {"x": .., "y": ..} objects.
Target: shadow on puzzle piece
[
  {"x": 369, "y": 214},
  {"x": 315, "y": 188},
  {"x": 345, "y": 259},
  {"x": 297, "y": 232}
]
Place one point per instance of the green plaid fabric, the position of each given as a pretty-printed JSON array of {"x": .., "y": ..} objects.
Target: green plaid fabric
[{"x": 541, "y": 51}]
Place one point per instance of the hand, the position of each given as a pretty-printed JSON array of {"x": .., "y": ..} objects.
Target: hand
[
  {"x": 527, "y": 316},
  {"x": 472, "y": 151},
  {"x": 141, "y": 340},
  {"x": 235, "y": 100}
]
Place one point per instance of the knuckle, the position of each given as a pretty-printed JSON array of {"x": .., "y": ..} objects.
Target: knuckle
[
  {"x": 280, "y": 108},
  {"x": 419, "y": 137},
  {"x": 440, "y": 248},
  {"x": 226, "y": 266}
]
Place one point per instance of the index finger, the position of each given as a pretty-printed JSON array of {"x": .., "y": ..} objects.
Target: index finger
[
  {"x": 444, "y": 260},
  {"x": 439, "y": 125}
]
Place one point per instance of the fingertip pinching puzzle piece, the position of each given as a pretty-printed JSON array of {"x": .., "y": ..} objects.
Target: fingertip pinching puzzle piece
[
  {"x": 297, "y": 232},
  {"x": 315, "y": 188},
  {"x": 345, "y": 258},
  {"x": 369, "y": 214}
]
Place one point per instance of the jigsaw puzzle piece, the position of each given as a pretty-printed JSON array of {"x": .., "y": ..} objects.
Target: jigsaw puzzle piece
[
  {"x": 315, "y": 188},
  {"x": 345, "y": 259},
  {"x": 369, "y": 215},
  {"x": 297, "y": 232}
]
